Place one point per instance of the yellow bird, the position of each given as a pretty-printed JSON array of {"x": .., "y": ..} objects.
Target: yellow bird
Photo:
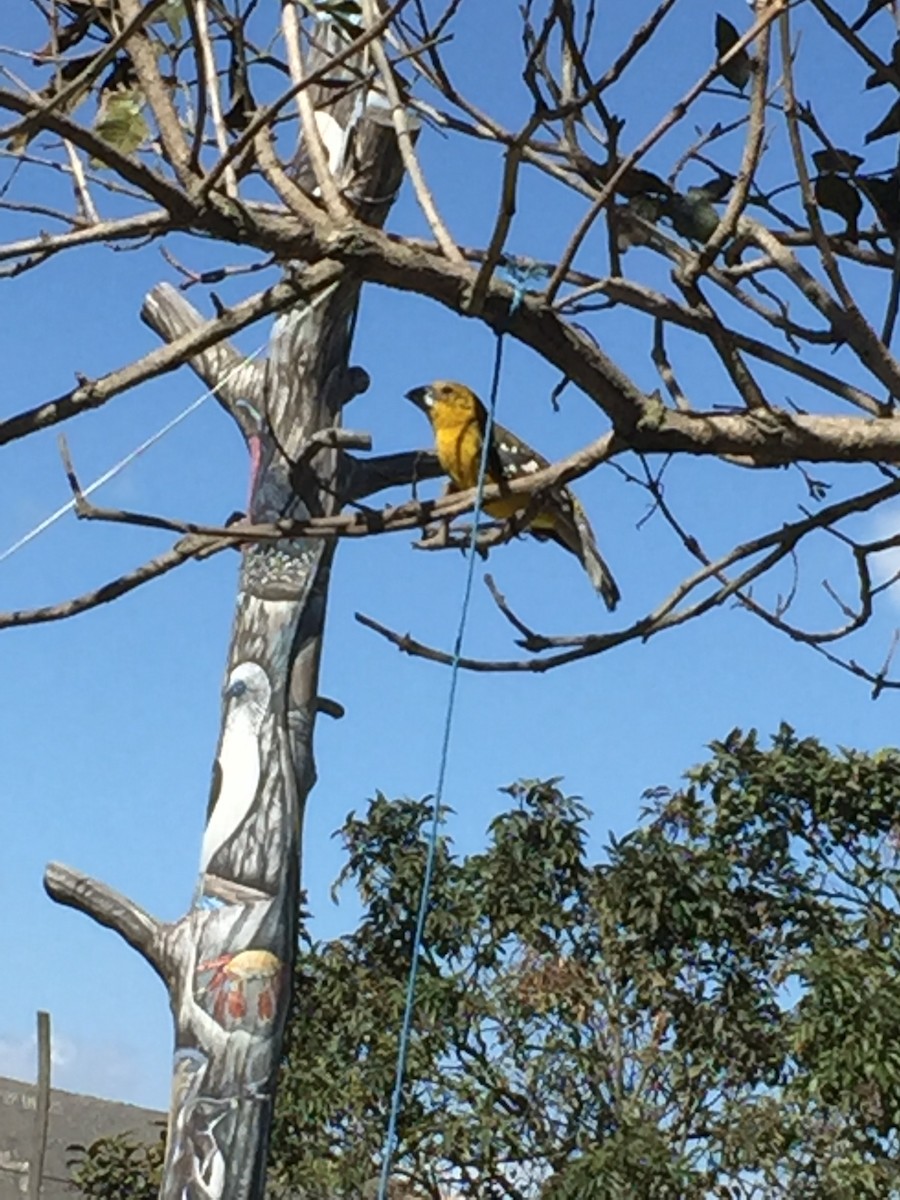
[{"x": 459, "y": 419}]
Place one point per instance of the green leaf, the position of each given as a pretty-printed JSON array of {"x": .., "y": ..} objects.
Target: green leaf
[
  {"x": 739, "y": 68},
  {"x": 693, "y": 215},
  {"x": 173, "y": 13},
  {"x": 735, "y": 953},
  {"x": 120, "y": 121},
  {"x": 887, "y": 126}
]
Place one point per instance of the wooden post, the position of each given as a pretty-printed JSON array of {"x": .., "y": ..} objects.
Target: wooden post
[
  {"x": 228, "y": 963},
  {"x": 42, "y": 1108}
]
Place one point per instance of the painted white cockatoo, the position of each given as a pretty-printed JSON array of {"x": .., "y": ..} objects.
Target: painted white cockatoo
[{"x": 236, "y": 772}]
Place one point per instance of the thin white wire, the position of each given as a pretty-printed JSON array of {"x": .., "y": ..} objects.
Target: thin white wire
[{"x": 128, "y": 459}]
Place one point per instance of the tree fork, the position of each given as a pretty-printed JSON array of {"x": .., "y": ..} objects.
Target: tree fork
[{"x": 228, "y": 962}]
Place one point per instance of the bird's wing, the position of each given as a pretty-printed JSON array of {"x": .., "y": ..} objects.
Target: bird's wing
[
  {"x": 496, "y": 472},
  {"x": 514, "y": 458}
]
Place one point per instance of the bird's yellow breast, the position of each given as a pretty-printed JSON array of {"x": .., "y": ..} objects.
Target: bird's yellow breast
[{"x": 457, "y": 443}]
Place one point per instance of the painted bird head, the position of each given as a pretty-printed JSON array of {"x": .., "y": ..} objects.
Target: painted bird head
[
  {"x": 444, "y": 394},
  {"x": 248, "y": 692}
]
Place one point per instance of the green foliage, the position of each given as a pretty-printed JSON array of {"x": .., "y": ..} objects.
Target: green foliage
[
  {"x": 120, "y": 120},
  {"x": 739, "y": 68},
  {"x": 118, "y": 1168},
  {"x": 173, "y": 13},
  {"x": 710, "y": 1010}
]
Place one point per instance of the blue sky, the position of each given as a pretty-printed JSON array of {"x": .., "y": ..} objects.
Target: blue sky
[{"x": 108, "y": 722}]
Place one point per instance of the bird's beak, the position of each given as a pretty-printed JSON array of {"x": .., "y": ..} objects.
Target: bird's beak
[{"x": 421, "y": 397}]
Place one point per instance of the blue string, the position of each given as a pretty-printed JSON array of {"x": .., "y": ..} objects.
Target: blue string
[
  {"x": 406, "y": 1027},
  {"x": 520, "y": 274}
]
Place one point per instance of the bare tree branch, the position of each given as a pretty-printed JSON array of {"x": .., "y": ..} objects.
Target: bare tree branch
[
  {"x": 668, "y": 614},
  {"x": 94, "y": 393},
  {"x": 183, "y": 551},
  {"x": 108, "y": 908}
]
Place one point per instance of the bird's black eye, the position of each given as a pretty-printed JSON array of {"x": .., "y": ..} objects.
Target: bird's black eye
[{"x": 446, "y": 390}]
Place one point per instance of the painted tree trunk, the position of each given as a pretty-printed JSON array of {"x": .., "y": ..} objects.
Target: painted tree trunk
[{"x": 227, "y": 964}]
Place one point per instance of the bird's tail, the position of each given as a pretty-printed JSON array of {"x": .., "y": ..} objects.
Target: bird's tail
[{"x": 573, "y": 530}]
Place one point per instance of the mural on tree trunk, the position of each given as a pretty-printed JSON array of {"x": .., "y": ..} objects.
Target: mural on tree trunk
[
  {"x": 229, "y": 1014},
  {"x": 202, "y": 1121},
  {"x": 241, "y": 990},
  {"x": 275, "y": 571},
  {"x": 236, "y": 772},
  {"x": 227, "y": 962},
  {"x": 229, "y": 1010},
  {"x": 192, "y": 1146}
]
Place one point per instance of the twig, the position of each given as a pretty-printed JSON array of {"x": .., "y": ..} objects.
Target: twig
[
  {"x": 266, "y": 115},
  {"x": 664, "y": 367},
  {"x": 294, "y": 197},
  {"x": 391, "y": 519},
  {"x": 847, "y": 321},
  {"x": 81, "y": 187},
  {"x": 126, "y": 166},
  {"x": 202, "y": 541},
  {"x": 312, "y": 136},
  {"x": 93, "y": 394},
  {"x": 159, "y": 97},
  {"x": 211, "y": 89},
  {"x": 214, "y": 275},
  {"x": 106, "y": 182},
  {"x": 638, "y": 41},
  {"x": 182, "y": 552},
  {"x": 810, "y": 205},
  {"x": 505, "y": 214},
  {"x": 65, "y": 97},
  {"x": 531, "y": 641},
  {"x": 740, "y": 374},
  {"x": 853, "y": 40},
  {"x": 400, "y": 120},
  {"x": 774, "y": 546},
  {"x": 753, "y": 147},
  {"x": 147, "y": 225},
  {"x": 676, "y": 113},
  {"x": 662, "y": 307}
]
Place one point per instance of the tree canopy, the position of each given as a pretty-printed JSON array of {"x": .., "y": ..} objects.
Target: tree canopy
[
  {"x": 718, "y": 276},
  {"x": 707, "y": 1009}
]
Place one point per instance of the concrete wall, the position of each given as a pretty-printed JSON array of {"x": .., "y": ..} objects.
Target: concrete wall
[{"x": 73, "y": 1118}]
